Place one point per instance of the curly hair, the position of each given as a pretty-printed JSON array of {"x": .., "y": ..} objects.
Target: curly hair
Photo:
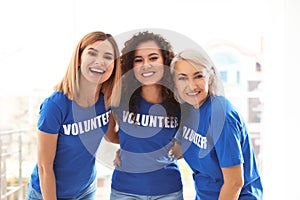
[{"x": 130, "y": 82}]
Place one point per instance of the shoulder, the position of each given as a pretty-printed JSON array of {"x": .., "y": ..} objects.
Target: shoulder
[
  {"x": 56, "y": 100},
  {"x": 220, "y": 105},
  {"x": 57, "y": 97}
]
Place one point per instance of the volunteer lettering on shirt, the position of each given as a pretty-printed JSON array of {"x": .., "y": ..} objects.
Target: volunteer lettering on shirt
[
  {"x": 150, "y": 120},
  {"x": 87, "y": 125},
  {"x": 192, "y": 136}
]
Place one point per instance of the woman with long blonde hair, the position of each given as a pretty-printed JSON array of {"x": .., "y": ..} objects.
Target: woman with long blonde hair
[{"x": 73, "y": 121}]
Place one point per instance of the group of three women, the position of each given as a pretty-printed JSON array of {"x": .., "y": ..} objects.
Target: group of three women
[{"x": 130, "y": 100}]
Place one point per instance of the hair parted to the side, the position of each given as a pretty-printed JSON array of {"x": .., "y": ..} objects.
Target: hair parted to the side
[
  {"x": 69, "y": 84},
  {"x": 200, "y": 57}
]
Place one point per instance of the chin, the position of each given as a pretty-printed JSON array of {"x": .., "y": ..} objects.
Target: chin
[
  {"x": 193, "y": 103},
  {"x": 189, "y": 101}
]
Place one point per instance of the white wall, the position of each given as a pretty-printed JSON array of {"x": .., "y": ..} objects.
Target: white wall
[
  {"x": 38, "y": 37},
  {"x": 281, "y": 159}
]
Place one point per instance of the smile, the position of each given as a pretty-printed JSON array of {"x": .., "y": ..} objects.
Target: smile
[
  {"x": 192, "y": 93},
  {"x": 99, "y": 71},
  {"x": 147, "y": 74}
]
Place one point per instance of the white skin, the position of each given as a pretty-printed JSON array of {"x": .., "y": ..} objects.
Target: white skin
[
  {"x": 192, "y": 82},
  {"x": 96, "y": 65}
]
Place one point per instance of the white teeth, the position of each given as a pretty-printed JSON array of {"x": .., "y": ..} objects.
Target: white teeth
[
  {"x": 147, "y": 74},
  {"x": 97, "y": 70},
  {"x": 192, "y": 93}
]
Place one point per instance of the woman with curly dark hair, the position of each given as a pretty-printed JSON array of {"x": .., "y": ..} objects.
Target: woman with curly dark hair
[{"x": 146, "y": 118}]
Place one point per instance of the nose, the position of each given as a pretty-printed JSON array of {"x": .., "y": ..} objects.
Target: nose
[
  {"x": 191, "y": 84},
  {"x": 99, "y": 61},
  {"x": 146, "y": 65}
]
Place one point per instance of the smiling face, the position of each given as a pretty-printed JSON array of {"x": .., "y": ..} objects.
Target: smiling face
[
  {"x": 97, "y": 62},
  {"x": 192, "y": 82},
  {"x": 148, "y": 63}
]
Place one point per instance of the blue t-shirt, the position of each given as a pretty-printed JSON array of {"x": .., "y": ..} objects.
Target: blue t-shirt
[
  {"x": 80, "y": 132},
  {"x": 146, "y": 168},
  {"x": 214, "y": 137}
]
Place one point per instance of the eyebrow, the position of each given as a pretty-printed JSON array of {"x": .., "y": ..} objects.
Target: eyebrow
[
  {"x": 91, "y": 48},
  {"x": 152, "y": 54},
  {"x": 107, "y": 52},
  {"x": 183, "y": 74}
]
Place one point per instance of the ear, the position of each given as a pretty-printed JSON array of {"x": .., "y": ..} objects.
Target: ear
[
  {"x": 211, "y": 76},
  {"x": 211, "y": 79}
]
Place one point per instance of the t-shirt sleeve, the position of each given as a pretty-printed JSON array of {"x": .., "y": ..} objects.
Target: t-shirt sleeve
[
  {"x": 50, "y": 118},
  {"x": 228, "y": 146}
]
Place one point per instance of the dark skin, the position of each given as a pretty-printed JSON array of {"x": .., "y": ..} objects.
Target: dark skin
[{"x": 112, "y": 130}]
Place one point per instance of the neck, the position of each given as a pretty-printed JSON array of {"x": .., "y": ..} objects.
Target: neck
[
  {"x": 200, "y": 103},
  {"x": 86, "y": 100},
  {"x": 152, "y": 93},
  {"x": 88, "y": 94}
]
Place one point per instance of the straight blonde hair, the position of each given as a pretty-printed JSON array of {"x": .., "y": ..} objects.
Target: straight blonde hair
[{"x": 69, "y": 84}]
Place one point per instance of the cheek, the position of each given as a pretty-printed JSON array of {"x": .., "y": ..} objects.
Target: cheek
[
  {"x": 136, "y": 71},
  {"x": 110, "y": 69},
  {"x": 85, "y": 60},
  {"x": 85, "y": 64},
  {"x": 205, "y": 85},
  {"x": 160, "y": 72},
  {"x": 136, "y": 65},
  {"x": 206, "y": 88},
  {"x": 202, "y": 84},
  {"x": 179, "y": 88}
]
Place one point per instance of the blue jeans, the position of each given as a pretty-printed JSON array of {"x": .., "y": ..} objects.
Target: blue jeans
[
  {"x": 88, "y": 194},
  {"x": 116, "y": 195}
]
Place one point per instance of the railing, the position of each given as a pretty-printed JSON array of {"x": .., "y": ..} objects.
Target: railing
[{"x": 10, "y": 152}]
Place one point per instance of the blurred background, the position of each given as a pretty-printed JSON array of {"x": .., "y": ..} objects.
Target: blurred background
[{"x": 253, "y": 43}]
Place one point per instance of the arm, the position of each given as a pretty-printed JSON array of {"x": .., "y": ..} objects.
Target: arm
[
  {"x": 233, "y": 182},
  {"x": 176, "y": 150},
  {"x": 111, "y": 134},
  {"x": 117, "y": 160},
  {"x": 47, "y": 144}
]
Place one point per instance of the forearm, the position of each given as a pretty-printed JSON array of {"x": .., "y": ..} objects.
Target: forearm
[
  {"x": 111, "y": 139},
  {"x": 233, "y": 182},
  {"x": 230, "y": 191},
  {"x": 47, "y": 183},
  {"x": 47, "y": 144},
  {"x": 111, "y": 134}
]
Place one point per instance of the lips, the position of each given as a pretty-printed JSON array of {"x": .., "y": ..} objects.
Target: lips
[
  {"x": 147, "y": 74},
  {"x": 98, "y": 71},
  {"x": 193, "y": 93}
]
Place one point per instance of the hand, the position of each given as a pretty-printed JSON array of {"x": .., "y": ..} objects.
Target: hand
[
  {"x": 117, "y": 160},
  {"x": 175, "y": 151}
]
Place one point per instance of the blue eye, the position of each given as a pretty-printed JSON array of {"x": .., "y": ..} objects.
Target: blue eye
[{"x": 182, "y": 78}]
